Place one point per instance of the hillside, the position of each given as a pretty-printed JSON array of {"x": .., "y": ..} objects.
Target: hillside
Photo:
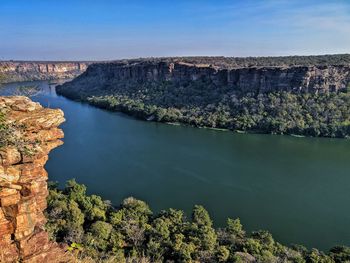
[{"x": 282, "y": 95}]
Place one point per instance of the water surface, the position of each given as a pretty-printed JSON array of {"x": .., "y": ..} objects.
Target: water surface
[{"x": 297, "y": 188}]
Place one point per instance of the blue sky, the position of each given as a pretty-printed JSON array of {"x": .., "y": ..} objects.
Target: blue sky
[{"x": 106, "y": 29}]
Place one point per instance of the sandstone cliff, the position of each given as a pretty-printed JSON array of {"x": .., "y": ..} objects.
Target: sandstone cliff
[
  {"x": 318, "y": 78},
  {"x": 23, "y": 186},
  {"x": 28, "y": 71}
]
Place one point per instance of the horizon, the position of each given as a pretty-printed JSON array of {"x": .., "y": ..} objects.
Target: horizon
[
  {"x": 199, "y": 56},
  {"x": 113, "y": 30}
]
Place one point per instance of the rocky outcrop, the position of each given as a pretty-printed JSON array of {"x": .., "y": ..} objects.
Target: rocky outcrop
[
  {"x": 314, "y": 79},
  {"x": 28, "y": 71},
  {"x": 23, "y": 182}
]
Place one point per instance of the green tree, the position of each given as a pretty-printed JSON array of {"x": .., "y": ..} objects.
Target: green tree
[
  {"x": 202, "y": 233},
  {"x": 222, "y": 254},
  {"x": 100, "y": 235}
]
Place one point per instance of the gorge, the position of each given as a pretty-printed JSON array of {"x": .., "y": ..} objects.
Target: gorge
[
  {"x": 187, "y": 131},
  {"x": 267, "y": 181}
]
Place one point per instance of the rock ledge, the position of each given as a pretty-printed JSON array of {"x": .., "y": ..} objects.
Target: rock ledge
[{"x": 23, "y": 183}]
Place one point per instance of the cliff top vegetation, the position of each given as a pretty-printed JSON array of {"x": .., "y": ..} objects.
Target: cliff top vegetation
[
  {"x": 241, "y": 62},
  {"x": 225, "y": 62}
]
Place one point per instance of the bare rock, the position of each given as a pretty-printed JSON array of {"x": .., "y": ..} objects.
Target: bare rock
[
  {"x": 23, "y": 186},
  {"x": 308, "y": 78},
  {"x": 36, "y": 70}
]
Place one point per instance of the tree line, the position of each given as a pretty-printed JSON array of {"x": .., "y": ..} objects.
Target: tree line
[
  {"x": 201, "y": 105},
  {"x": 236, "y": 62},
  {"x": 94, "y": 229}
]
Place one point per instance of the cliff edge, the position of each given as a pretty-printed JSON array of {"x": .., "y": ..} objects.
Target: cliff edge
[
  {"x": 102, "y": 77},
  {"x": 23, "y": 181},
  {"x": 13, "y": 71}
]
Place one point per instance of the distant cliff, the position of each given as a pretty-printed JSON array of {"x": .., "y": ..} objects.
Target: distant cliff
[
  {"x": 318, "y": 78},
  {"x": 35, "y": 70}
]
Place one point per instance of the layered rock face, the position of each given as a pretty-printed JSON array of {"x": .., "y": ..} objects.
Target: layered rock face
[
  {"x": 28, "y": 71},
  {"x": 23, "y": 182},
  {"x": 248, "y": 79}
]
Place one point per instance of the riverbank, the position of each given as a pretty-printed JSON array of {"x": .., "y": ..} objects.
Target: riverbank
[{"x": 108, "y": 103}]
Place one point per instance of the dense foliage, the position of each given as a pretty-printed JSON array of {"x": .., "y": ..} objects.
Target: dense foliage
[
  {"x": 235, "y": 62},
  {"x": 95, "y": 229},
  {"x": 326, "y": 114},
  {"x": 341, "y": 59}
]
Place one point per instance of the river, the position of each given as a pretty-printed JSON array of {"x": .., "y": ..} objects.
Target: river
[{"x": 297, "y": 188}]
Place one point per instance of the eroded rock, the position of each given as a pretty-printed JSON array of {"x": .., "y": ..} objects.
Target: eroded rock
[
  {"x": 23, "y": 186},
  {"x": 36, "y": 70},
  {"x": 312, "y": 79}
]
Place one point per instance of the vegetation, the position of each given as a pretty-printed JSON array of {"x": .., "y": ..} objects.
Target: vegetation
[
  {"x": 96, "y": 230},
  {"x": 205, "y": 103},
  {"x": 2, "y": 78},
  {"x": 229, "y": 62},
  {"x": 232, "y": 62},
  {"x": 9, "y": 132},
  {"x": 326, "y": 114},
  {"x": 4, "y": 130}
]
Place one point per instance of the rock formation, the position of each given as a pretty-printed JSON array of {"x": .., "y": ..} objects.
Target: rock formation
[
  {"x": 314, "y": 79},
  {"x": 23, "y": 182},
  {"x": 28, "y": 71}
]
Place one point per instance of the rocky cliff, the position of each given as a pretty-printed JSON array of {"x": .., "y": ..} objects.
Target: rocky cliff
[
  {"x": 28, "y": 71},
  {"x": 23, "y": 186},
  {"x": 317, "y": 78},
  {"x": 288, "y": 98}
]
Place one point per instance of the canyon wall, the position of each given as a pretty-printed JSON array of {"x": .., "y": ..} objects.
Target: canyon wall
[
  {"x": 321, "y": 78},
  {"x": 23, "y": 182},
  {"x": 28, "y": 71}
]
